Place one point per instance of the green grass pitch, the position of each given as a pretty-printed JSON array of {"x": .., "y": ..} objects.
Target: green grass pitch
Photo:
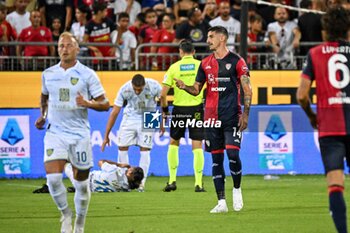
[{"x": 292, "y": 204}]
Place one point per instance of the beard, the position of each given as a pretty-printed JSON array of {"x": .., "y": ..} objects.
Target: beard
[
  {"x": 211, "y": 48},
  {"x": 282, "y": 20}
]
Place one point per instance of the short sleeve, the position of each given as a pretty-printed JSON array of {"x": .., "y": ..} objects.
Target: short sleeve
[
  {"x": 237, "y": 27},
  {"x": 156, "y": 36},
  {"x": 133, "y": 41},
  {"x": 95, "y": 87},
  {"x": 242, "y": 68},
  {"x": 308, "y": 71},
  {"x": 111, "y": 24},
  {"x": 119, "y": 100},
  {"x": 142, "y": 33},
  {"x": 21, "y": 35},
  {"x": 48, "y": 35},
  {"x": 88, "y": 28},
  {"x": 212, "y": 23},
  {"x": 43, "y": 85},
  {"x": 107, "y": 167},
  {"x": 270, "y": 28},
  {"x": 201, "y": 78},
  {"x": 169, "y": 77},
  {"x": 158, "y": 89},
  {"x": 180, "y": 31}
]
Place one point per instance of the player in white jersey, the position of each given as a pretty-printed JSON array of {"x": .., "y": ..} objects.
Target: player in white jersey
[
  {"x": 141, "y": 95},
  {"x": 113, "y": 177},
  {"x": 68, "y": 90}
]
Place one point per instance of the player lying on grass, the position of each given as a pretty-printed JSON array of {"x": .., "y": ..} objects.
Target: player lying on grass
[{"x": 113, "y": 177}]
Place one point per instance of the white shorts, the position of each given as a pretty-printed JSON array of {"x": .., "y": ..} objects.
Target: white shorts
[
  {"x": 77, "y": 152},
  {"x": 131, "y": 132}
]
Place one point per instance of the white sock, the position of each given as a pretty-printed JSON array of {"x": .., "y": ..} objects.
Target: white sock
[
  {"x": 81, "y": 201},
  {"x": 58, "y": 192},
  {"x": 123, "y": 156},
  {"x": 68, "y": 170},
  {"x": 145, "y": 161}
]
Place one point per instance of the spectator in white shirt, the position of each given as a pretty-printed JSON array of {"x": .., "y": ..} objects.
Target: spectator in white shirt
[
  {"x": 82, "y": 15},
  {"x": 126, "y": 40},
  {"x": 284, "y": 36},
  {"x": 20, "y": 18},
  {"x": 131, "y": 7},
  {"x": 232, "y": 25}
]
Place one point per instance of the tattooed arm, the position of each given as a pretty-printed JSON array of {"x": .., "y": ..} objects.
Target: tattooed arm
[
  {"x": 193, "y": 90},
  {"x": 247, "y": 89}
]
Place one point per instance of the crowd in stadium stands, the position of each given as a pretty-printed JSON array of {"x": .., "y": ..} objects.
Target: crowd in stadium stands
[{"x": 278, "y": 30}]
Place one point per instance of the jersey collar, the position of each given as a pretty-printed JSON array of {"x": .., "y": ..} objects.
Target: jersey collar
[{"x": 187, "y": 57}]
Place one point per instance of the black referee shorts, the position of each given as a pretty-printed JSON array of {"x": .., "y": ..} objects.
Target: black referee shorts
[
  {"x": 334, "y": 149},
  {"x": 181, "y": 115}
]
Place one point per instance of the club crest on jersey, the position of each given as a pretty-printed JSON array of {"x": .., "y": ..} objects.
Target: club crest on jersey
[
  {"x": 49, "y": 152},
  {"x": 147, "y": 96},
  {"x": 228, "y": 66},
  {"x": 74, "y": 81},
  {"x": 42, "y": 32}
]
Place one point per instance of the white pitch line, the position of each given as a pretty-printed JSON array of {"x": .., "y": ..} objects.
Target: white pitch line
[{"x": 23, "y": 185}]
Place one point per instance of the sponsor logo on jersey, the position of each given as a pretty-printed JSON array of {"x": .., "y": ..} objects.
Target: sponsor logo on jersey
[
  {"x": 223, "y": 79},
  {"x": 187, "y": 67},
  {"x": 218, "y": 89}
]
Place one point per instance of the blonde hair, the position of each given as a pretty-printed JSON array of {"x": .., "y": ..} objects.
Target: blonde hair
[{"x": 70, "y": 35}]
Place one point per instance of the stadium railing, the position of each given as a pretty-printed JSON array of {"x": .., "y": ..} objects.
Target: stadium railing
[
  {"x": 36, "y": 63},
  {"x": 144, "y": 60}
]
